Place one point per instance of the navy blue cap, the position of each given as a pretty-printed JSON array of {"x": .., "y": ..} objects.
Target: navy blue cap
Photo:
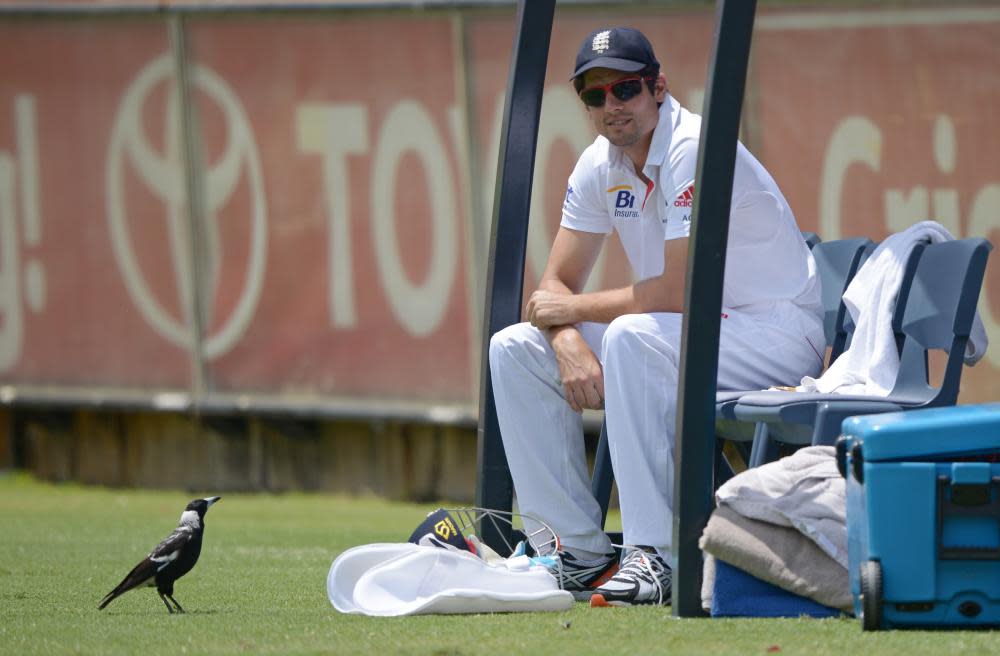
[
  {"x": 439, "y": 530},
  {"x": 618, "y": 48}
]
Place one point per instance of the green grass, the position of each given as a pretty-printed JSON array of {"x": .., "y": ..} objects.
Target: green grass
[{"x": 260, "y": 589}]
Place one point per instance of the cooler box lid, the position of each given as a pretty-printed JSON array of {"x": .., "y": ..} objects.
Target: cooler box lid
[{"x": 952, "y": 431}]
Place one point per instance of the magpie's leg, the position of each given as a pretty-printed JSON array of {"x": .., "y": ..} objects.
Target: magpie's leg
[
  {"x": 163, "y": 597},
  {"x": 179, "y": 609}
]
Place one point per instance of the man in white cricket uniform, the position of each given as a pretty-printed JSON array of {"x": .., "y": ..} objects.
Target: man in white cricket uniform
[{"x": 620, "y": 348}]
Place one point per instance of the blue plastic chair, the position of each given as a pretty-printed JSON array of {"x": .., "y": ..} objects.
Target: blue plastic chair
[{"x": 935, "y": 311}]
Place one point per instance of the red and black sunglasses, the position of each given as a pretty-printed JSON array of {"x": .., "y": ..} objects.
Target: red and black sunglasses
[{"x": 624, "y": 90}]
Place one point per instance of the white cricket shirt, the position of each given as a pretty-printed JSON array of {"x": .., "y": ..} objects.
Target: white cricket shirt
[{"x": 766, "y": 258}]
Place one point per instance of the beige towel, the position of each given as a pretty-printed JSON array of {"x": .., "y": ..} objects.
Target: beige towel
[{"x": 779, "y": 555}]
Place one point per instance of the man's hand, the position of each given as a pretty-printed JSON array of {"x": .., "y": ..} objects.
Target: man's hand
[
  {"x": 547, "y": 309},
  {"x": 580, "y": 370}
]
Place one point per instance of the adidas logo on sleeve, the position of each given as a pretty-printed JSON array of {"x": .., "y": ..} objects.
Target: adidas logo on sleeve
[{"x": 685, "y": 198}]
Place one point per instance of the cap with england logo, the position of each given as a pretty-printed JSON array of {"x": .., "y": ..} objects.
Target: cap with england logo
[{"x": 618, "y": 48}]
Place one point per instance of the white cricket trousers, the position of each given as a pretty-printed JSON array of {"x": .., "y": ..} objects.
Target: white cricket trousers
[{"x": 640, "y": 355}]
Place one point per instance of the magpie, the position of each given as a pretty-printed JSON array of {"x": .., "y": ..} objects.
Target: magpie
[{"x": 170, "y": 560}]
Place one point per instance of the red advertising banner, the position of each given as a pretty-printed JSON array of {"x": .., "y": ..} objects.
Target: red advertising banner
[{"x": 307, "y": 215}]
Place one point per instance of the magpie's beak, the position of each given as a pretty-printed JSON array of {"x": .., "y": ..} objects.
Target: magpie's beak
[{"x": 211, "y": 500}]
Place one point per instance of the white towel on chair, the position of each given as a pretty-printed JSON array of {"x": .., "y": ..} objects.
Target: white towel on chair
[{"x": 871, "y": 363}]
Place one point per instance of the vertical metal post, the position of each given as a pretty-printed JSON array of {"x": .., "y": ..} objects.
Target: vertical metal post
[
  {"x": 194, "y": 284},
  {"x": 695, "y": 448},
  {"x": 509, "y": 234}
]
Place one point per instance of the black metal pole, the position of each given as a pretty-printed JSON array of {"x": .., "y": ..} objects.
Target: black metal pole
[
  {"x": 699, "y": 364},
  {"x": 508, "y": 237}
]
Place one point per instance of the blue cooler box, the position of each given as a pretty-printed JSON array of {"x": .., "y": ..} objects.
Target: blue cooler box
[{"x": 923, "y": 516}]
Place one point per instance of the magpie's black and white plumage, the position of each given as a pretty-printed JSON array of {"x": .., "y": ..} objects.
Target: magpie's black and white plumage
[{"x": 171, "y": 559}]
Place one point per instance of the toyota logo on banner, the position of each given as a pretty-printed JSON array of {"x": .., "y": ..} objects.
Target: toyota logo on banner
[{"x": 162, "y": 175}]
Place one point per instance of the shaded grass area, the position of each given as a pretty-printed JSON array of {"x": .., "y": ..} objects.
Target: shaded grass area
[{"x": 260, "y": 588}]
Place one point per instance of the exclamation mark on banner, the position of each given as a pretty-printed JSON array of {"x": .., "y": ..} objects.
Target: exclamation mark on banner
[
  {"x": 19, "y": 173},
  {"x": 11, "y": 326},
  {"x": 27, "y": 155}
]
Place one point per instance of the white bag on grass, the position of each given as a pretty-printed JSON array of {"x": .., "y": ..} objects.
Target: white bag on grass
[
  {"x": 445, "y": 568},
  {"x": 410, "y": 579}
]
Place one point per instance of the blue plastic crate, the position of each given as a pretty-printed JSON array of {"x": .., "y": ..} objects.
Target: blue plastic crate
[{"x": 923, "y": 516}]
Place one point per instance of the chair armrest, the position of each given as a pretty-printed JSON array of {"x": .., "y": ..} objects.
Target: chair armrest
[
  {"x": 725, "y": 401},
  {"x": 831, "y": 414}
]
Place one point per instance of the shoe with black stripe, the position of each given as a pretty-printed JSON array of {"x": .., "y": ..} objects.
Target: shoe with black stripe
[
  {"x": 579, "y": 577},
  {"x": 643, "y": 579}
]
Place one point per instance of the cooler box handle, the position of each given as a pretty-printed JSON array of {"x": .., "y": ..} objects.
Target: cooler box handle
[{"x": 980, "y": 500}]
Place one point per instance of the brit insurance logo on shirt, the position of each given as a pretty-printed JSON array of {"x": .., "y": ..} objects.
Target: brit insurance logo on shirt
[{"x": 624, "y": 203}]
